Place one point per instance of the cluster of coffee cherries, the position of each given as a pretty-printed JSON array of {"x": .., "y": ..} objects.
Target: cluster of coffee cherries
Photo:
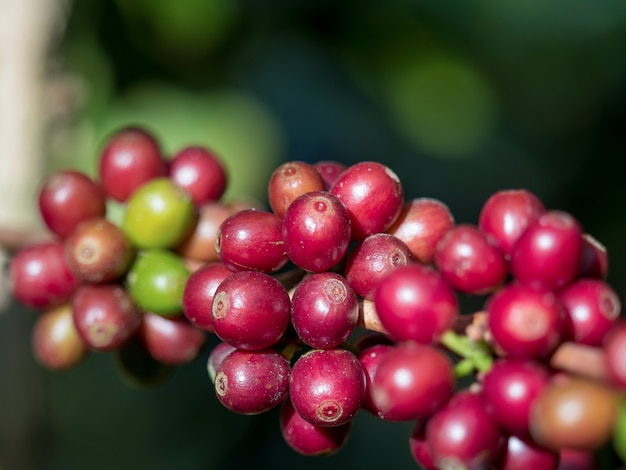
[{"x": 341, "y": 296}]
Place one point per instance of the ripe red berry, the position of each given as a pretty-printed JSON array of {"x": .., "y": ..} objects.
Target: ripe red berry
[
  {"x": 200, "y": 172},
  {"x": 415, "y": 303},
  {"x": 525, "y": 322},
  {"x": 68, "y": 198},
  {"x": 130, "y": 158},
  {"x": 327, "y": 386},
  {"x": 420, "y": 225},
  {"x": 372, "y": 260},
  {"x": 506, "y": 214},
  {"x": 251, "y": 239},
  {"x": 469, "y": 263},
  {"x": 373, "y": 195},
  {"x": 289, "y": 181},
  {"x": 548, "y": 253},
  {"x": 316, "y": 231},
  {"x": 40, "y": 276},
  {"x": 411, "y": 382}
]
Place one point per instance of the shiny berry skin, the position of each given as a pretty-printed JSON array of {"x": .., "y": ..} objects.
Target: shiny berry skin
[
  {"x": 420, "y": 225},
  {"x": 462, "y": 434},
  {"x": 68, "y": 198},
  {"x": 415, "y": 303},
  {"x": 316, "y": 231},
  {"x": 370, "y": 358},
  {"x": 510, "y": 388},
  {"x": 324, "y": 310},
  {"x": 172, "y": 341},
  {"x": 308, "y": 439},
  {"x": 158, "y": 215},
  {"x": 252, "y": 382},
  {"x": 156, "y": 282},
  {"x": 327, "y": 386},
  {"x": 55, "y": 341},
  {"x": 251, "y": 239},
  {"x": 216, "y": 356},
  {"x": 330, "y": 171},
  {"x": 130, "y": 158},
  {"x": 592, "y": 308},
  {"x": 411, "y": 382},
  {"x": 526, "y": 323},
  {"x": 506, "y": 214},
  {"x": 200, "y": 172},
  {"x": 105, "y": 316},
  {"x": 574, "y": 413},
  {"x": 373, "y": 195},
  {"x": 372, "y": 260},
  {"x": 40, "y": 277},
  {"x": 522, "y": 454},
  {"x": 290, "y": 180},
  {"x": 199, "y": 291},
  {"x": 250, "y": 310},
  {"x": 469, "y": 263},
  {"x": 548, "y": 253},
  {"x": 97, "y": 251}
]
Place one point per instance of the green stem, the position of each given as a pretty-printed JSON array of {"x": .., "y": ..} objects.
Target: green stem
[{"x": 476, "y": 353}]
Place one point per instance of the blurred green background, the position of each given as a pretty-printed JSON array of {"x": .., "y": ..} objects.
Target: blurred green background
[{"x": 459, "y": 98}]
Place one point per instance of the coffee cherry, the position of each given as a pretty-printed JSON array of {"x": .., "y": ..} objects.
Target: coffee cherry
[
  {"x": 415, "y": 303},
  {"x": 199, "y": 244},
  {"x": 507, "y": 214},
  {"x": 373, "y": 196},
  {"x": 250, "y": 310},
  {"x": 324, "y": 310},
  {"x": 370, "y": 358},
  {"x": 592, "y": 308},
  {"x": 216, "y": 356},
  {"x": 468, "y": 262},
  {"x": 55, "y": 341},
  {"x": 327, "y": 386},
  {"x": 131, "y": 158},
  {"x": 308, "y": 439},
  {"x": 510, "y": 388},
  {"x": 522, "y": 454},
  {"x": 420, "y": 225},
  {"x": 97, "y": 251},
  {"x": 199, "y": 292},
  {"x": 548, "y": 253},
  {"x": 525, "y": 323},
  {"x": 252, "y": 382},
  {"x": 316, "y": 231},
  {"x": 172, "y": 341},
  {"x": 105, "y": 316},
  {"x": 200, "y": 172},
  {"x": 40, "y": 277},
  {"x": 574, "y": 413},
  {"x": 411, "y": 382},
  {"x": 419, "y": 447},
  {"x": 251, "y": 239},
  {"x": 330, "y": 171},
  {"x": 290, "y": 180},
  {"x": 374, "y": 259},
  {"x": 462, "y": 434},
  {"x": 68, "y": 198},
  {"x": 158, "y": 215},
  {"x": 156, "y": 282}
]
